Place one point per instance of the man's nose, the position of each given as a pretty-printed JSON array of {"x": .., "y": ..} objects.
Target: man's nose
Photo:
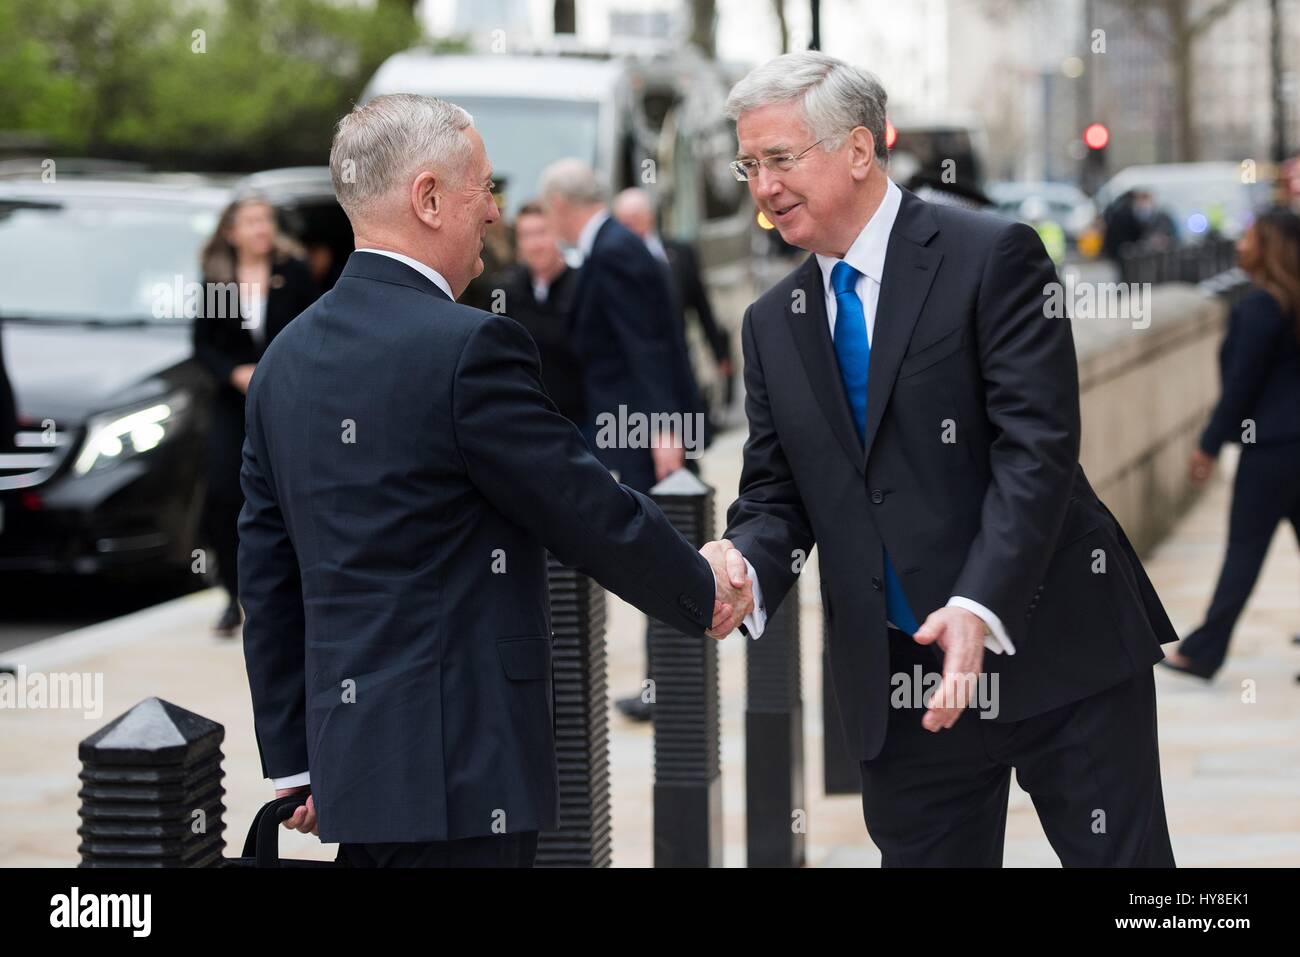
[
  {"x": 494, "y": 213},
  {"x": 766, "y": 183}
]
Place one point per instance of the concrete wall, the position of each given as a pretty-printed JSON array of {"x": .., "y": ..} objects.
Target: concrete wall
[{"x": 1145, "y": 395}]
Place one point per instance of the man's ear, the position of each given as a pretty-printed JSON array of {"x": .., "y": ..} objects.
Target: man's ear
[
  {"x": 864, "y": 151},
  {"x": 425, "y": 199}
]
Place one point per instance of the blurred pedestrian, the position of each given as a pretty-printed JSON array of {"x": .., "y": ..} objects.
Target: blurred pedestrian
[
  {"x": 635, "y": 209},
  {"x": 1260, "y": 408},
  {"x": 627, "y": 341},
  {"x": 539, "y": 296},
  {"x": 255, "y": 283}
]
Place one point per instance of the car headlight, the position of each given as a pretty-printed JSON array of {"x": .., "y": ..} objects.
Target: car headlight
[{"x": 116, "y": 436}]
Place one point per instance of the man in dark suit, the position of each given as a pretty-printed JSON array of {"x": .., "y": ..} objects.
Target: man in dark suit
[
  {"x": 635, "y": 209},
  {"x": 404, "y": 474},
  {"x": 628, "y": 338},
  {"x": 539, "y": 296},
  {"x": 915, "y": 413},
  {"x": 623, "y": 330}
]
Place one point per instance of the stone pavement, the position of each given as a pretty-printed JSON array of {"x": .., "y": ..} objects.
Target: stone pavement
[{"x": 1230, "y": 751}]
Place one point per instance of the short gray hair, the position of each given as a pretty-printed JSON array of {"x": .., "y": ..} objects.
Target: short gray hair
[
  {"x": 574, "y": 182},
  {"x": 835, "y": 97},
  {"x": 381, "y": 143}
]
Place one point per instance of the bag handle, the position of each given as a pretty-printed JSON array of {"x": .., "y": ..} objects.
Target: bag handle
[{"x": 263, "y": 841}]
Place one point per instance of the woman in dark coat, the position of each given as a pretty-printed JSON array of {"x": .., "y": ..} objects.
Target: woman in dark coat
[
  {"x": 263, "y": 286},
  {"x": 1259, "y": 408}
]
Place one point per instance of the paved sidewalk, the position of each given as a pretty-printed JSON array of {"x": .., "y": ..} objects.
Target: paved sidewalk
[{"x": 1231, "y": 768}]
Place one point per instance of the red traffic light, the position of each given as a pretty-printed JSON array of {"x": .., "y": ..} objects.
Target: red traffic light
[{"x": 1096, "y": 136}]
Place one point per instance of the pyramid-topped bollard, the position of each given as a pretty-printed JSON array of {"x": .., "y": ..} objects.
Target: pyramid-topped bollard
[
  {"x": 579, "y": 695},
  {"x": 151, "y": 793},
  {"x": 688, "y": 766}
]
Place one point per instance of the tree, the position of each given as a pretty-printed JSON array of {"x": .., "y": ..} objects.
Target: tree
[
  {"x": 235, "y": 85},
  {"x": 1176, "y": 29}
]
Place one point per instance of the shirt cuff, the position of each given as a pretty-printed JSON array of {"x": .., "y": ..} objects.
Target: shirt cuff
[
  {"x": 998, "y": 642},
  {"x": 756, "y": 620},
  {"x": 293, "y": 781}
]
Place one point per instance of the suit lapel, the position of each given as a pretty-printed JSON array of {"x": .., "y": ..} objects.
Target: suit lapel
[
  {"x": 910, "y": 268},
  {"x": 812, "y": 336}
]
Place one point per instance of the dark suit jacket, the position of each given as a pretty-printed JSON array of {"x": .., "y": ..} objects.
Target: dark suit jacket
[
  {"x": 550, "y": 323},
  {"x": 221, "y": 344},
  {"x": 1260, "y": 365},
  {"x": 1003, "y": 515},
  {"x": 685, "y": 266},
  {"x": 398, "y": 635},
  {"x": 627, "y": 338}
]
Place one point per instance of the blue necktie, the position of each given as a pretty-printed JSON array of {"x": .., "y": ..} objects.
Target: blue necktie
[{"x": 853, "y": 351}]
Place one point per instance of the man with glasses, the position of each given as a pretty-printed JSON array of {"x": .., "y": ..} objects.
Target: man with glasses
[{"x": 914, "y": 411}]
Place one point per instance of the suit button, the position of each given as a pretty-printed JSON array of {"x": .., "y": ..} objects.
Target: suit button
[
  {"x": 877, "y": 496},
  {"x": 875, "y": 583}
]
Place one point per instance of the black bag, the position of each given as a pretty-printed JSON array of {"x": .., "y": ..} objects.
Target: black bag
[{"x": 262, "y": 846}]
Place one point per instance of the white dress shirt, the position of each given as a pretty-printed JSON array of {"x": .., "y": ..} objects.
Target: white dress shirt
[
  {"x": 867, "y": 256},
  {"x": 428, "y": 272},
  {"x": 435, "y": 277},
  {"x": 587, "y": 237}
]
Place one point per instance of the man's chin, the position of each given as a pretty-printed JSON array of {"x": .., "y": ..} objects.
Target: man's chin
[{"x": 794, "y": 237}]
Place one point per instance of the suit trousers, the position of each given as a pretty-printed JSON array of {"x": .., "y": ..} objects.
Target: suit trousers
[
  {"x": 1265, "y": 492},
  {"x": 493, "y": 850},
  {"x": 1091, "y": 767}
]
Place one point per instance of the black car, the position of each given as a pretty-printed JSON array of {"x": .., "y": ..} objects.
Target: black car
[{"x": 96, "y": 307}]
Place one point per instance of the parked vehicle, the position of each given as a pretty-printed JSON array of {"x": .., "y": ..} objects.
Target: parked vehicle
[
  {"x": 1199, "y": 198},
  {"x": 97, "y": 300},
  {"x": 1062, "y": 203}
]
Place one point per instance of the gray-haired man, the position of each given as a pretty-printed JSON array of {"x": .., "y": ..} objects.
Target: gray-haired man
[{"x": 914, "y": 412}]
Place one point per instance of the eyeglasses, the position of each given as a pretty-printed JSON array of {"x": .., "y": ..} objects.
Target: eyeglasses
[{"x": 747, "y": 169}]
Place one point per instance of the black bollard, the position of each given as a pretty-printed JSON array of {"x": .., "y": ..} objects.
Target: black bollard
[
  {"x": 581, "y": 723},
  {"x": 775, "y": 813},
  {"x": 151, "y": 790},
  {"x": 688, "y": 770},
  {"x": 840, "y": 771}
]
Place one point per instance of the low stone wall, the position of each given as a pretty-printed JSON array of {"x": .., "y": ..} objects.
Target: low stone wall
[{"x": 1145, "y": 396}]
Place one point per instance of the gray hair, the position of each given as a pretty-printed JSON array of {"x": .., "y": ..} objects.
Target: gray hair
[
  {"x": 382, "y": 143},
  {"x": 835, "y": 97},
  {"x": 574, "y": 182}
]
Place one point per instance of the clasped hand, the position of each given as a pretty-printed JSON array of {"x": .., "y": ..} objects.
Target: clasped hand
[{"x": 734, "y": 595}]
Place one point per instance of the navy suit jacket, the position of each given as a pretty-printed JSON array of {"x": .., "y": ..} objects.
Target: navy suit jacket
[
  {"x": 1260, "y": 365},
  {"x": 404, "y": 475},
  {"x": 627, "y": 334},
  {"x": 1001, "y": 514}
]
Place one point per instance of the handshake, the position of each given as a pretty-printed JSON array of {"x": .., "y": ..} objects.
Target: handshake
[{"x": 734, "y": 595}]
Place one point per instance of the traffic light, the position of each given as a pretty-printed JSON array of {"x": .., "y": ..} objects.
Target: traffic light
[{"x": 1096, "y": 137}]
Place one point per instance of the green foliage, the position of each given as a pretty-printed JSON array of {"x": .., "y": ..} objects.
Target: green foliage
[{"x": 262, "y": 84}]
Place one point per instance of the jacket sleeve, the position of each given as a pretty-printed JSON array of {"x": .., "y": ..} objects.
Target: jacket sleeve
[
  {"x": 534, "y": 467},
  {"x": 641, "y": 300},
  {"x": 697, "y": 297},
  {"x": 1248, "y": 349},
  {"x": 207, "y": 343},
  {"x": 270, "y": 590},
  {"x": 767, "y": 522},
  {"x": 1031, "y": 395}
]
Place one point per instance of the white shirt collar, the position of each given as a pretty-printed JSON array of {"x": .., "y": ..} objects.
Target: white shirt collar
[
  {"x": 867, "y": 254},
  {"x": 587, "y": 238},
  {"x": 656, "y": 246},
  {"x": 427, "y": 272}
]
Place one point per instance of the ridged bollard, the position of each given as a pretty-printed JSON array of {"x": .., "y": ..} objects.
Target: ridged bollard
[
  {"x": 151, "y": 790},
  {"x": 775, "y": 813},
  {"x": 840, "y": 771},
  {"x": 688, "y": 773},
  {"x": 581, "y": 723}
]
